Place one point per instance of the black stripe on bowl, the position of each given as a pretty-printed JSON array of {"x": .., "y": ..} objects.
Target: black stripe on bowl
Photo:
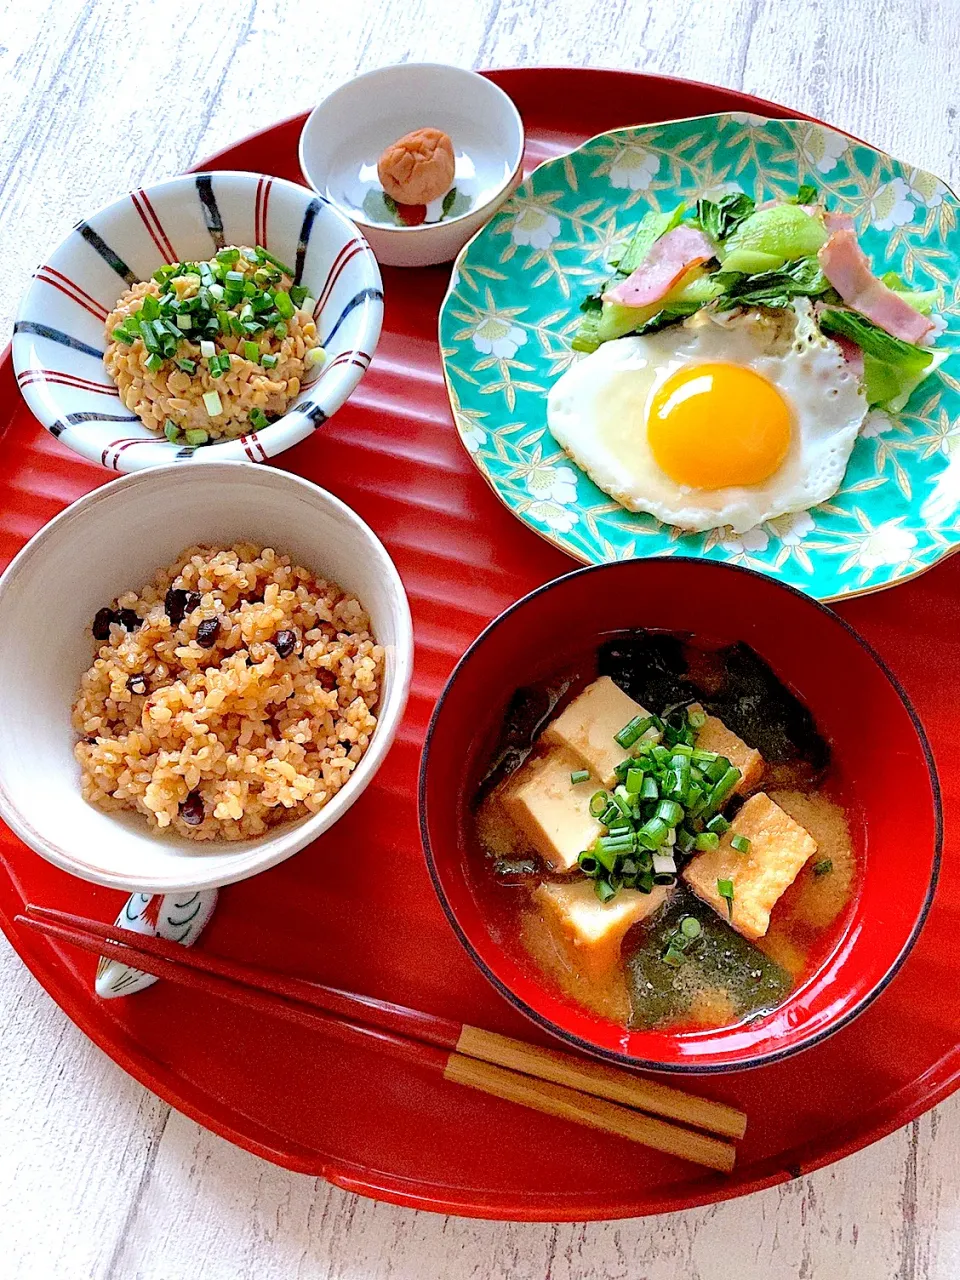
[
  {"x": 57, "y": 335},
  {"x": 106, "y": 253},
  {"x": 315, "y": 414},
  {"x": 74, "y": 418},
  {"x": 364, "y": 295},
  {"x": 57, "y": 428},
  {"x": 211, "y": 210},
  {"x": 309, "y": 217}
]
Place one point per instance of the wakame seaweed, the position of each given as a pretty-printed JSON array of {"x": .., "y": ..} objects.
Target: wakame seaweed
[
  {"x": 652, "y": 667},
  {"x": 720, "y": 960}
]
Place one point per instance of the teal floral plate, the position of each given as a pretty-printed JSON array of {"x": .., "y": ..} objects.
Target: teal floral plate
[{"x": 513, "y": 307}]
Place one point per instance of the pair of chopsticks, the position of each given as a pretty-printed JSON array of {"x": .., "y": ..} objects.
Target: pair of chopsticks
[{"x": 547, "y": 1080}]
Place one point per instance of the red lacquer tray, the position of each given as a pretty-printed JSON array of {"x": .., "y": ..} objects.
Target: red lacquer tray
[{"x": 357, "y": 909}]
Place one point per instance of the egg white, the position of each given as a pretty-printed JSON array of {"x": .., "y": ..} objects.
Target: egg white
[{"x": 597, "y": 412}]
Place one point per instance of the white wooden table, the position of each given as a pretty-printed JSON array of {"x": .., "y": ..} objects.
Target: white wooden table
[{"x": 98, "y": 1179}]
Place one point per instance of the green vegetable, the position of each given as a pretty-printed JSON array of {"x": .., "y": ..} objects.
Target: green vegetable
[
  {"x": 258, "y": 419},
  {"x": 720, "y": 218},
  {"x": 784, "y": 231},
  {"x": 892, "y": 368},
  {"x": 579, "y": 775},
  {"x": 196, "y": 436},
  {"x": 740, "y": 843},
  {"x": 251, "y": 351},
  {"x": 684, "y": 299},
  {"x": 823, "y": 867},
  {"x": 802, "y": 278},
  {"x": 922, "y": 300},
  {"x": 154, "y": 362},
  {"x": 725, "y": 890},
  {"x": 171, "y": 431},
  {"x": 806, "y": 194},
  {"x": 121, "y": 335},
  {"x": 706, "y": 841},
  {"x": 653, "y": 225},
  {"x": 604, "y": 890}
]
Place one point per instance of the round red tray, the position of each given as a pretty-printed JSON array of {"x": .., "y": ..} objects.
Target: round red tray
[{"x": 357, "y": 910}]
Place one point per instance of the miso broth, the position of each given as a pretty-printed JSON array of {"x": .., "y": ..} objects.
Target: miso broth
[{"x": 640, "y": 944}]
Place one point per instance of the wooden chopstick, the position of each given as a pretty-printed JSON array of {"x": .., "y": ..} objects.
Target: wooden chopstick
[
  {"x": 615, "y": 1084},
  {"x": 548, "y": 1080}
]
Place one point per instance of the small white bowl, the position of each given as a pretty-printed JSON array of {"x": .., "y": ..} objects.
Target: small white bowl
[
  {"x": 115, "y": 539},
  {"x": 58, "y": 337},
  {"x": 345, "y": 135}
]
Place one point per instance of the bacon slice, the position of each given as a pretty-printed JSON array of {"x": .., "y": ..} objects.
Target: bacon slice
[
  {"x": 670, "y": 257},
  {"x": 838, "y": 221},
  {"x": 846, "y": 267}
]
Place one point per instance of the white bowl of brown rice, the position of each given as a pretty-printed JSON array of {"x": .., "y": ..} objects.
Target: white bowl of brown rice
[
  {"x": 204, "y": 670},
  {"x": 218, "y": 316}
]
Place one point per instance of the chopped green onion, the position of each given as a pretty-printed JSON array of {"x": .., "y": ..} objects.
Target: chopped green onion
[
  {"x": 315, "y": 356},
  {"x": 284, "y": 305},
  {"x": 691, "y": 927},
  {"x": 207, "y": 350},
  {"x": 598, "y": 803},
  {"x": 280, "y": 329},
  {"x": 740, "y": 843},
  {"x": 197, "y": 436},
  {"x": 725, "y": 890},
  {"x": 213, "y": 404},
  {"x": 580, "y": 775},
  {"x": 604, "y": 890},
  {"x": 649, "y": 790},
  {"x": 259, "y": 420},
  {"x": 629, "y": 734},
  {"x": 121, "y": 335},
  {"x": 588, "y": 863},
  {"x": 171, "y": 431},
  {"x": 673, "y": 956},
  {"x": 264, "y": 256},
  {"x": 252, "y": 351},
  {"x": 297, "y": 294},
  {"x": 696, "y": 720},
  {"x": 719, "y": 824},
  {"x": 269, "y": 362},
  {"x": 229, "y": 257},
  {"x": 154, "y": 362},
  {"x": 706, "y": 841},
  {"x": 188, "y": 366},
  {"x": 670, "y": 812},
  {"x": 823, "y": 867},
  {"x": 308, "y": 304}
]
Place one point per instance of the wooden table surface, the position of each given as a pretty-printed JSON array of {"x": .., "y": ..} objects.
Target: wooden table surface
[{"x": 99, "y": 1180}]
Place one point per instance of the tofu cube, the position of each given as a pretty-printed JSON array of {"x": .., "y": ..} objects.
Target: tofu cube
[
  {"x": 590, "y": 932},
  {"x": 715, "y": 736},
  {"x": 778, "y": 849},
  {"x": 552, "y": 813},
  {"x": 587, "y": 727}
]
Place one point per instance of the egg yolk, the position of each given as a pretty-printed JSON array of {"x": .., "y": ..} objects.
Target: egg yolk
[{"x": 715, "y": 425}]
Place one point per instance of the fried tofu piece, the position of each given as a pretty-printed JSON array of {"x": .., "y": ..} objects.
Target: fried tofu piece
[
  {"x": 778, "y": 849},
  {"x": 587, "y": 727},
  {"x": 552, "y": 814},
  {"x": 715, "y": 736},
  {"x": 590, "y": 932}
]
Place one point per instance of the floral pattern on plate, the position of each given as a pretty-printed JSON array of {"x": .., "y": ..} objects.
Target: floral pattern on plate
[{"x": 512, "y": 310}]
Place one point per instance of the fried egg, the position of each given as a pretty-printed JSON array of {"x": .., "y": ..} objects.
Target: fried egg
[{"x": 720, "y": 421}]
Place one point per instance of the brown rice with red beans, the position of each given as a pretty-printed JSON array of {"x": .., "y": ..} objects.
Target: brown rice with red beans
[{"x": 225, "y": 738}]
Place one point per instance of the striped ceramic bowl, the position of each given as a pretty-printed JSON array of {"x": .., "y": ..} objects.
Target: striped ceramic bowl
[{"x": 58, "y": 338}]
